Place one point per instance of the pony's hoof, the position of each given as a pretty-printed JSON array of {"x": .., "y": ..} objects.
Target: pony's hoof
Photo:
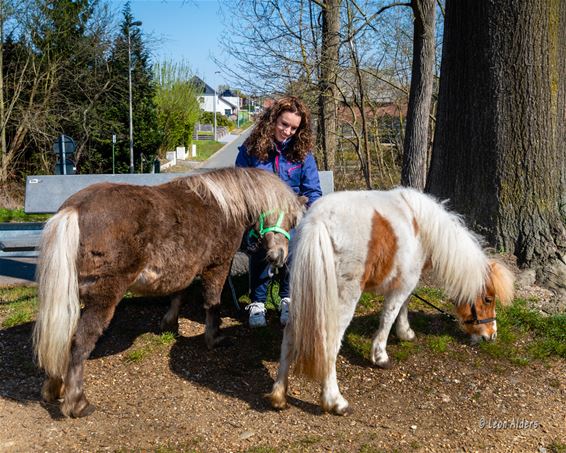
[
  {"x": 384, "y": 364},
  {"x": 81, "y": 409},
  {"x": 277, "y": 402},
  {"x": 84, "y": 412},
  {"x": 339, "y": 409},
  {"x": 345, "y": 411}
]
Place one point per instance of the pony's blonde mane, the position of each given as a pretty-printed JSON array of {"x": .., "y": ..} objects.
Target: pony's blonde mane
[
  {"x": 456, "y": 253},
  {"x": 244, "y": 193},
  {"x": 503, "y": 281}
]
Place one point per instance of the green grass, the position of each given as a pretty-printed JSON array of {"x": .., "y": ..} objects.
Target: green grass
[
  {"x": 261, "y": 449},
  {"x": 18, "y": 215},
  {"x": 18, "y": 306},
  {"x": 358, "y": 343},
  {"x": 557, "y": 446},
  {"x": 206, "y": 148},
  {"x": 369, "y": 303},
  {"x": 148, "y": 343},
  {"x": 404, "y": 350},
  {"x": 524, "y": 335},
  {"x": 245, "y": 125},
  {"x": 162, "y": 449},
  {"x": 273, "y": 299},
  {"x": 439, "y": 343}
]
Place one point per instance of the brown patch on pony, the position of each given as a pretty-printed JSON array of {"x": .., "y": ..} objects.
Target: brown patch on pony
[
  {"x": 382, "y": 248},
  {"x": 415, "y": 227}
]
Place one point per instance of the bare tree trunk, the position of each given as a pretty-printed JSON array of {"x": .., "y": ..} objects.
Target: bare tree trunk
[
  {"x": 3, "y": 150},
  {"x": 361, "y": 103},
  {"x": 415, "y": 155},
  {"x": 327, "y": 83},
  {"x": 500, "y": 142}
]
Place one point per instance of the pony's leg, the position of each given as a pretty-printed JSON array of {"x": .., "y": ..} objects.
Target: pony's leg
[
  {"x": 95, "y": 318},
  {"x": 278, "y": 395},
  {"x": 53, "y": 389},
  {"x": 402, "y": 327},
  {"x": 391, "y": 306},
  {"x": 170, "y": 322},
  {"x": 213, "y": 282},
  {"x": 331, "y": 399}
]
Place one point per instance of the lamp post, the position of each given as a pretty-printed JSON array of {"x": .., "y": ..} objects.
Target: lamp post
[
  {"x": 214, "y": 109},
  {"x": 136, "y": 23}
]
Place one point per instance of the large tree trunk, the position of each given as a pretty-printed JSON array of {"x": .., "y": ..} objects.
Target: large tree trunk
[
  {"x": 415, "y": 152},
  {"x": 327, "y": 84},
  {"x": 499, "y": 149}
]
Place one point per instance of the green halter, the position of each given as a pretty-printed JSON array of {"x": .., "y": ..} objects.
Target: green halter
[{"x": 275, "y": 228}]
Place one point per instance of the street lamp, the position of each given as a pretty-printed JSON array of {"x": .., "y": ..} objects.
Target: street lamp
[
  {"x": 214, "y": 108},
  {"x": 136, "y": 23}
]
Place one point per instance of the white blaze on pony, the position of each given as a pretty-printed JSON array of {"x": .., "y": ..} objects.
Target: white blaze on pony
[{"x": 351, "y": 242}]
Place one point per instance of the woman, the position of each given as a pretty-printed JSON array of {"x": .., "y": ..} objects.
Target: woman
[{"x": 281, "y": 142}]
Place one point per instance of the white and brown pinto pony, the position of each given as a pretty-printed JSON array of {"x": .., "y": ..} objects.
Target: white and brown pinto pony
[
  {"x": 378, "y": 241},
  {"x": 152, "y": 240}
]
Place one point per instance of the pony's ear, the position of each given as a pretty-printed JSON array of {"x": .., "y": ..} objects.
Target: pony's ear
[
  {"x": 503, "y": 281},
  {"x": 303, "y": 200}
]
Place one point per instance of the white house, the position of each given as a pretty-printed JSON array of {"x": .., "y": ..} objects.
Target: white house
[{"x": 226, "y": 103}]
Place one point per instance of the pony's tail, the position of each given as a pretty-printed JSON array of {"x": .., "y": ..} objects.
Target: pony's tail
[
  {"x": 456, "y": 254},
  {"x": 58, "y": 292},
  {"x": 314, "y": 301}
]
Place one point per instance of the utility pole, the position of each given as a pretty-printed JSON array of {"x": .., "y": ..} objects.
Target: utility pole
[{"x": 136, "y": 23}]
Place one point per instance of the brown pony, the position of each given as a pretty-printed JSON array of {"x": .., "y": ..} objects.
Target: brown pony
[{"x": 152, "y": 240}]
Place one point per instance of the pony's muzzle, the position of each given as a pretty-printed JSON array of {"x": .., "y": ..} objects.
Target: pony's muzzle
[
  {"x": 476, "y": 339},
  {"x": 277, "y": 257}
]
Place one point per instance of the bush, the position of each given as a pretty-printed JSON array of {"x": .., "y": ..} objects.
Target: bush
[{"x": 221, "y": 120}]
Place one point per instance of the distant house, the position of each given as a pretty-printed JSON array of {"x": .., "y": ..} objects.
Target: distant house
[
  {"x": 226, "y": 103},
  {"x": 388, "y": 116}
]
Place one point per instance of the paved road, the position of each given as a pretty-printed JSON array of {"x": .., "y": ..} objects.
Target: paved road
[
  {"x": 226, "y": 155},
  {"x": 18, "y": 270}
]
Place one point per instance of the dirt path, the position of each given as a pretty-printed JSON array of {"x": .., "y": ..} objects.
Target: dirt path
[{"x": 180, "y": 397}]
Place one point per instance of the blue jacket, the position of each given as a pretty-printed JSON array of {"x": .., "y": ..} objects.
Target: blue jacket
[{"x": 302, "y": 177}]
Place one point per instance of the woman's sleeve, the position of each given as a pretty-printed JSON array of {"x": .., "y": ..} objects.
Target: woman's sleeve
[
  {"x": 243, "y": 158},
  {"x": 310, "y": 181}
]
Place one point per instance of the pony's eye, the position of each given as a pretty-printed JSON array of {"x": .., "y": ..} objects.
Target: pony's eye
[{"x": 488, "y": 300}]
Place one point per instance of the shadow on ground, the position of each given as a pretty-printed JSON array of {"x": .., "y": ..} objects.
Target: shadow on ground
[{"x": 237, "y": 370}]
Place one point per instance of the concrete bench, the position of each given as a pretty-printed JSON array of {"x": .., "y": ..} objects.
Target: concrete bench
[
  {"x": 20, "y": 237},
  {"x": 44, "y": 194}
]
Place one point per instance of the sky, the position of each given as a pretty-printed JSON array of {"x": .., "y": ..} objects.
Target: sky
[{"x": 180, "y": 30}]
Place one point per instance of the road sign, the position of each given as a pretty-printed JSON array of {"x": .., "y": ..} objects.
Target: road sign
[
  {"x": 64, "y": 144},
  {"x": 68, "y": 169},
  {"x": 63, "y": 147}
]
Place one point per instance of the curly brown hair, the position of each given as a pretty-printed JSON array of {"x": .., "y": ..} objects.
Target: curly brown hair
[{"x": 260, "y": 141}]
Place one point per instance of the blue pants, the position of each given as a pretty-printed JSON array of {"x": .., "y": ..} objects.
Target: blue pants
[{"x": 260, "y": 279}]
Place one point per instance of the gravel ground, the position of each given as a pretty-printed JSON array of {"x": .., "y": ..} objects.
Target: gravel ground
[{"x": 181, "y": 397}]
